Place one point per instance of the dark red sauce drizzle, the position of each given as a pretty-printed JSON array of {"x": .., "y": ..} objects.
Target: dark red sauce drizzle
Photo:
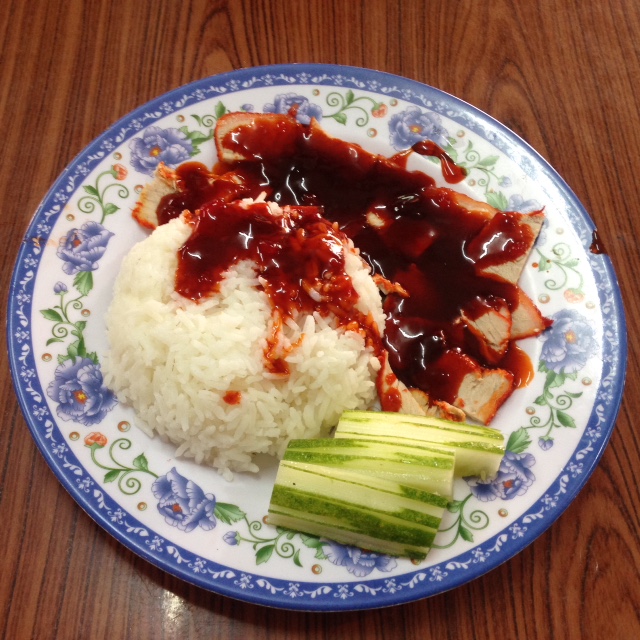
[
  {"x": 299, "y": 256},
  {"x": 451, "y": 172},
  {"x": 195, "y": 190},
  {"x": 422, "y": 239},
  {"x": 597, "y": 247}
]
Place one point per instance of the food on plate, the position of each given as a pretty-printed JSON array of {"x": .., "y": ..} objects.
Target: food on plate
[
  {"x": 353, "y": 508},
  {"x": 383, "y": 483},
  {"x": 207, "y": 360},
  {"x": 425, "y": 467},
  {"x": 478, "y": 449},
  {"x": 441, "y": 252},
  {"x": 297, "y": 234}
]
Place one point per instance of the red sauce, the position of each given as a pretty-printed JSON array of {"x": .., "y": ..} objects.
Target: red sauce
[
  {"x": 232, "y": 397},
  {"x": 390, "y": 398},
  {"x": 597, "y": 246},
  {"x": 501, "y": 240},
  {"x": 451, "y": 172},
  {"x": 299, "y": 256},
  {"x": 519, "y": 363},
  {"x": 196, "y": 188},
  {"x": 303, "y": 167}
]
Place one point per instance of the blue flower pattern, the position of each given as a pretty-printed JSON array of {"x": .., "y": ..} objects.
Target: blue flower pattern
[
  {"x": 513, "y": 479},
  {"x": 519, "y": 204},
  {"x": 157, "y": 145},
  {"x": 80, "y": 392},
  {"x": 356, "y": 561},
  {"x": 183, "y": 503},
  {"x": 569, "y": 343},
  {"x": 305, "y": 110},
  {"x": 414, "y": 125},
  {"x": 81, "y": 249}
]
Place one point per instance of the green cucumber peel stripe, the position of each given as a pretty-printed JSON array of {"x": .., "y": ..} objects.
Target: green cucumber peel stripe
[
  {"x": 398, "y": 419},
  {"x": 323, "y": 530},
  {"x": 353, "y": 480},
  {"x": 408, "y": 528},
  {"x": 320, "y": 457},
  {"x": 309, "y": 502},
  {"x": 382, "y": 444},
  {"x": 481, "y": 447}
]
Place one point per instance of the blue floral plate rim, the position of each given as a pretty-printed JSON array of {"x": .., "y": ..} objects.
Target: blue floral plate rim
[{"x": 349, "y": 594}]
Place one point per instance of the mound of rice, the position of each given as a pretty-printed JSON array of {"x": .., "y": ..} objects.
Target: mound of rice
[{"x": 175, "y": 361}]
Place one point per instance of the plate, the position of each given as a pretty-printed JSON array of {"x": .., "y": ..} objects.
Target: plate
[{"x": 557, "y": 427}]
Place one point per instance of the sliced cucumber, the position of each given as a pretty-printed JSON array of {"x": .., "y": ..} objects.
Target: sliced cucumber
[
  {"x": 354, "y": 508},
  {"x": 424, "y": 467},
  {"x": 383, "y": 482},
  {"x": 478, "y": 449}
]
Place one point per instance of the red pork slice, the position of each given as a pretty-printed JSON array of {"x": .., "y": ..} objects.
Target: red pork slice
[
  {"x": 437, "y": 408},
  {"x": 169, "y": 182},
  {"x": 489, "y": 323},
  {"x": 474, "y": 206},
  {"x": 250, "y": 136},
  {"x": 394, "y": 394},
  {"x": 501, "y": 249},
  {"x": 526, "y": 319},
  {"x": 163, "y": 183},
  {"x": 478, "y": 391},
  {"x": 266, "y": 136}
]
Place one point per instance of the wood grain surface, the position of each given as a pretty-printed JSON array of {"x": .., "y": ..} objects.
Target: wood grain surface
[{"x": 563, "y": 74}]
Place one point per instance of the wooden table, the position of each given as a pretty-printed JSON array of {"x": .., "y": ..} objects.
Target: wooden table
[{"x": 562, "y": 74}]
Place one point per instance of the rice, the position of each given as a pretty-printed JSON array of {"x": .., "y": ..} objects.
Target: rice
[{"x": 194, "y": 373}]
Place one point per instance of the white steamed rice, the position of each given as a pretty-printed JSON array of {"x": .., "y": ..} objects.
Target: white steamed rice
[{"x": 174, "y": 360}]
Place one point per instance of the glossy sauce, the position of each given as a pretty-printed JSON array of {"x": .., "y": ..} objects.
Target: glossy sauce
[
  {"x": 408, "y": 230},
  {"x": 196, "y": 189},
  {"x": 299, "y": 256},
  {"x": 451, "y": 172},
  {"x": 597, "y": 247}
]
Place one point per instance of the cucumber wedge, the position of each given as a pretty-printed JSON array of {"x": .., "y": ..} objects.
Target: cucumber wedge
[
  {"x": 356, "y": 509},
  {"x": 478, "y": 449},
  {"x": 423, "y": 467}
]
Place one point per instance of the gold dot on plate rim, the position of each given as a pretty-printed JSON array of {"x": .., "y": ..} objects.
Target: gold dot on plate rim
[
  {"x": 74, "y": 435},
  {"x": 372, "y": 133},
  {"x": 70, "y": 217},
  {"x": 503, "y": 513},
  {"x": 316, "y": 92},
  {"x": 460, "y": 133},
  {"x": 316, "y": 568},
  {"x": 138, "y": 188},
  {"x": 544, "y": 298},
  {"x": 530, "y": 411},
  {"x": 142, "y": 506},
  {"x": 85, "y": 312},
  {"x": 586, "y": 381},
  {"x": 393, "y": 102},
  {"x": 124, "y": 426},
  {"x": 180, "y": 118},
  {"x": 46, "y": 357},
  {"x": 117, "y": 156}
]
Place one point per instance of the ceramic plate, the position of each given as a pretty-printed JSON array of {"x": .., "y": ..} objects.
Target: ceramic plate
[{"x": 557, "y": 427}]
